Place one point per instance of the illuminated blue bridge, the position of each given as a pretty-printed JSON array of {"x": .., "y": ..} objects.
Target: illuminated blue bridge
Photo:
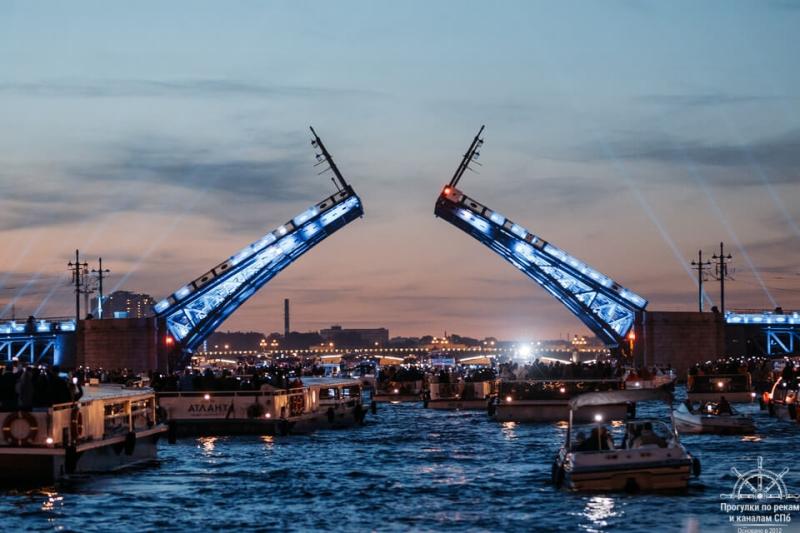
[
  {"x": 603, "y": 305},
  {"x": 773, "y": 333},
  {"x": 42, "y": 340},
  {"x": 195, "y": 310}
]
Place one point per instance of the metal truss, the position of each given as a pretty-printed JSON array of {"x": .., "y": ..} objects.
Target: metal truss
[
  {"x": 607, "y": 308},
  {"x": 780, "y": 332},
  {"x": 195, "y": 310}
]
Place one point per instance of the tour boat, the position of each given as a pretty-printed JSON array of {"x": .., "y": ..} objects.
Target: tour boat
[
  {"x": 317, "y": 404},
  {"x": 461, "y": 394},
  {"x": 399, "y": 385},
  {"x": 736, "y": 388},
  {"x": 661, "y": 378},
  {"x": 707, "y": 418},
  {"x": 649, "y": 456},
  {"x": 548, "y": 400},
  {"x": 109, "y": 428}
]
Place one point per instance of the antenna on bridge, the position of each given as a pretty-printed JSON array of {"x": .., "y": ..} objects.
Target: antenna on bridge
[
  {"x": 316, "y": 142},
  {"x": 469, "y": 157}
]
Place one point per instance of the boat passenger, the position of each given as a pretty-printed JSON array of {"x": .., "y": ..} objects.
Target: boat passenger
[
  {"x": 648, "y": 436},
  {"x": 723, "y": 407}
]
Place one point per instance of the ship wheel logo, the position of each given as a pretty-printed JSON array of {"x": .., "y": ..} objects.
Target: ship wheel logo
[{"x": 759, "y": 484}]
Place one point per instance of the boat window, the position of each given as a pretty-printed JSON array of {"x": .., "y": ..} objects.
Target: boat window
[
  {"x": 327, "y": 394},
  {"x": 647, "y": 434}
]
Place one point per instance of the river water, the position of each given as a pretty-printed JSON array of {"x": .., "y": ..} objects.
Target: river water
[{"x": 409, "y": 468}]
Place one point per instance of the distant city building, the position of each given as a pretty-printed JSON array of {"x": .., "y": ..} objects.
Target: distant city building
[
  {"x": 132, "y": 304},
  {"x": 355, "y": 336}
]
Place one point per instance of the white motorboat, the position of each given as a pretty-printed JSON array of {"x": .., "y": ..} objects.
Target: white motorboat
[
  {"x": 647, "y": 456},
  {"x": 709, "y": 418}
]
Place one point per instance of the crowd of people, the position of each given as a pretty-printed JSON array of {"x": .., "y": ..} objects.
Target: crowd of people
[
  {"x": 761, "y": 369},
  {"x": 243, "y": 377},
  {"x": 24, "y": 387},
  {"x": 553, "y": 370}
]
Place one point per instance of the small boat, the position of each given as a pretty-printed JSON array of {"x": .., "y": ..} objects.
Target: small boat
[
  {"x": 109, "y": 428},
  {"x": 782, "y": 399},
  {"x": 710, "y": 418},
  {"x": 736, "y": 388},
  {"x": 399, "y": 384},
  {"x": 470, "y": 391},
  {"x": 317, "y": 403},
  {"x": 648, "y": 456},
  {"x": 547, "y": 400}
]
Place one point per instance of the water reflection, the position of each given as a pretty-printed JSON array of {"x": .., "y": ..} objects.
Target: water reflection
[
  {"x": 207, "y": 444},
  {"x": 598, "y": 510},
  {"x": 509, "y": 430},
  {"x": 52, "y": 502}
]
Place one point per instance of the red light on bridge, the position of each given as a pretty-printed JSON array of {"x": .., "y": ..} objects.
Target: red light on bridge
[
  {"x": 631, "y": 336},
  {"x": 169, "y": 340},
  {"x": 447, "y": 190}
]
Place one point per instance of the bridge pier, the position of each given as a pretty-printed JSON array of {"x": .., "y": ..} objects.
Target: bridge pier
[{"x": 678, "y": 338}]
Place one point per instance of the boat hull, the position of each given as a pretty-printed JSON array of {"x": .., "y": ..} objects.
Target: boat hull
[
  {"x": 44, "y": 465},
  {"x": 645, "y": 477},
  {"x": 553, "y": 411},
  {"x": 456, "y": 404},
  {"x": 732, "y": 397},
  {"x": 396, "y": 398},
  {"x": 695, "y": 424}
]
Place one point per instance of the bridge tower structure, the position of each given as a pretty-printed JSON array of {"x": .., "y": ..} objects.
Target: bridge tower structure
[
  {"x": 194, "y": 311},
  {"x": 607, "y": 308}
]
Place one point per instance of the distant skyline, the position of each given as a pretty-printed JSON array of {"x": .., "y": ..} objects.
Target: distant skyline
[{"x": 164, "y": 137}]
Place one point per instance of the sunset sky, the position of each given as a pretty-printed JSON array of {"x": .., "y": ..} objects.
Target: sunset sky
[{"x": 164, "y": 136}]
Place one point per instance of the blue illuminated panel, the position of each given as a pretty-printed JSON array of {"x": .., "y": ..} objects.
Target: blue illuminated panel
[
  {"x": 765, "y": 318},
  {"x": 606, "y": 308},
  {"x": 39, "y": 326},
  {"x": 195, "y": 310}
]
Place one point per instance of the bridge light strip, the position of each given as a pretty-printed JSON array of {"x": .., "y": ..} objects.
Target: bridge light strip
[
  {"x": 481, "y": 224},
  {"x": 188, "y": 314},
  {"x": 762, "y": 318},
  {"x": 41, "y": 326}
]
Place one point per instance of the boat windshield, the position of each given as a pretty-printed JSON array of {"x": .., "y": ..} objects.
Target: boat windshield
[
  {"x": 721, "y": 407},
  {"x": 633, "y": 435}
]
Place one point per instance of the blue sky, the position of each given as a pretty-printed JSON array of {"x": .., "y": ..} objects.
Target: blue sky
[{"x": 164, "y": 136}]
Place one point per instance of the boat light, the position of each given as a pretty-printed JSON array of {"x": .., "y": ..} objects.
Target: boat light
[
  {"x": 720, "y": 384},
  {"x": 268, "y": 415},
  {"x": 598, "y": 417},
  {"x": 49, "y": 440},
  {"x": 508, "y": 399},
  {"x": 710, "y": 408},
  {"x": 562, "y": 390},
  {"x": 752, "y": 394},
  {"x": 396, "y": 391},
  {"x": 637, "y": 384},
  {"x": 207, "y": 397}
]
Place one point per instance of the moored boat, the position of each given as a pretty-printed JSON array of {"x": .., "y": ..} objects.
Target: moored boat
[
  {"x": 737, "y": 388},
  {"x": 711, "y": 417},
  {"x": 315, "y": 403},
  {"x": 108, "y": 428},
  {"x": 548, "y": 400},
  {"x": 648, "y": 456},
  {"x": 471, "y": 390},
  {"x": 399, "y": 384}
]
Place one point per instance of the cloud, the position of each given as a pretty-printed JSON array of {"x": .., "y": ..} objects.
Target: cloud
[
  {"x": 192, "y": 88},
  {"x": 705, "y": 99},
  {"x": 729, "y": 164},
  {"x": 135, "y": 175}
]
